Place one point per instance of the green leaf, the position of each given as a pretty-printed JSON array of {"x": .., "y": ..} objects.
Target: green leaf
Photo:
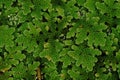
[
  {"x": 4, "y": 67},
  {"x": 78, "y": 73},
  {"x": 87, "y": 58},
  {"x": 10, "y": 78},
  {"x": 63, "y": 75},
  {"x": 81, "y": 35},
  {"x": 103, "y": 77},
  {"x": 47, "y": 3},
  {"x": 118, "y": 28},
  {"x": 74, "y": 75},
  {"x": 118, "y": 55},
  {"x": 68, "y": 42},
  {"x": 116, "y": 6},
  {"x": 53, "y": 76},
  {"x": 25, "y": 40},
  {"x": 23, "y": 27},
  {"x": 26, "y": 8},
  {"x": 71, "y": 3},
  {"x": 108, "y": 45},
  {"x": 117, "y": 13},
  {"x": 96, "y": 38},
  {"x": 8, "y": 3},
  {"x": 112, "y": 76},
  {"x": 36, "y": 13},
  {"x": 37, "y": 51},
  {"x": 33, "y": 67},
  {"x": 14, "y": 62},
  {"x": 6, "y": 37},
  {"x": 102, "y": 7},
  {"x": 60, "y": 11},
  {"x": 11, "y": 11},
  {"x": 33, "y": 29},
  {"x": 19, "y": 71},
  {"x": 45, "y": 53},
  {"x": 118, "y": 70},
  {"x": 72, "y": 30},
  {"x": 66, "y": 60},
  {"x": 90, "y": 4},
  {"x": 71, "y": 10},
  {"x": 19, "y": 56},
  {"x": 21, "y": 18},
  {"x": 80, "y": 2},
  {"x": 75, "y": 48},
  {"x": 50, "y": 54},
  {"x": 50, "y": 67},
  {"x": 59, "y": 46},
  {"x": 109, "y": 2},
  {"x": 63, "y": 52},
  {"x": 92, "y": 20},
  {"x": 99, "y": 27}
]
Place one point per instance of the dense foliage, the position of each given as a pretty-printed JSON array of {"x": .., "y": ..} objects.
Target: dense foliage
[{"x": 65, "y": 39}]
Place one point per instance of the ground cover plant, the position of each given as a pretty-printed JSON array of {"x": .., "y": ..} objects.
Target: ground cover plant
[{"x": 59, "y": 39}]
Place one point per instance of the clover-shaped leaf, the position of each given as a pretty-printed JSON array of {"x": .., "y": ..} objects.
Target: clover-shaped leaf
[
  {"x": 67, "y": 60},
  {"x": 73, "y": 30},
  {"x": 7, "y": 3},
  {"x": 118, "y": 28},
  {"x": 47, "y": 3},
  {"x": 81, "y": 35},
  {"x": 90, "y": 4},
  {"x": 19, "y": 71},
  {"x": 59, "y": 46},
  {"x": 19, "y": 56},
  {"x": 33, "y": 67},
  {"x": 96, "y": 38},
  {"x": 71, "y": 10},
  {"x": 68, "y": 42},
  {"x": 102, "y": 7},
  {"x": 50, "y": 67},
  {"x": 87, "y": 58},
  {"x": 26, "y": 8},
  {"x": 109, "y": 2},
  {"x": 99, "y": 27},
  {"x": 53, "y": 76},
  {"x": 80, "y": 2},
  {"x": 108, "y": 45},
  {"x": 4, "y": 67},
  {"x": 37, "y": 13},
  {"x": 74, "y": 75},
  {"x": 7, "y": 39},
  {"x": 78, "y": 73},
  {"x": 14, "y": 62},
  {"x": 49, "y": 53},
  {"x": 25, "y": 40},
  {"x": 60, "y": 11}
]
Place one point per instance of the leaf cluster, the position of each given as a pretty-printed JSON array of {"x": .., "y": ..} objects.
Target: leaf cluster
[{"x": 65, "y": 39}]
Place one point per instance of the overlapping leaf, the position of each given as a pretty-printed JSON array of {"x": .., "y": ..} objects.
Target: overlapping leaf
[
  {"x": 66, "y": 39},
  {"x": 6, "y": 37}
]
